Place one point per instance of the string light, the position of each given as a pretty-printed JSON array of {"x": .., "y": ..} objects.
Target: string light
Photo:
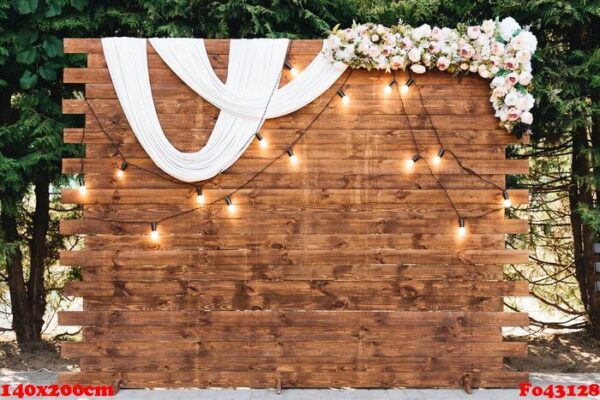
[
  {"x": 261, "y": 140},
  {"x": 506, "y": 201},
  {"x": 230, "y": 205},
  {"x": 154, "y": 231},
  {"x": 199, "y": 195},
  {"x": 293, "y": 70},
  {"x": 404, "y": 88},
  {"x": 387, "y": 89},
  {"x": 438, "y": 158},
  {"x": 411, "y": 163},
  {"x": 344, "y": 96},
  {"x": 121, "y": 170},
  {"x": 82, "y": 188},
  {"x": 293, "y": 157},
  {"x": 461, "y": 226}
]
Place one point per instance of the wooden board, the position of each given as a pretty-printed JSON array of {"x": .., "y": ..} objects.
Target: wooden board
[{"x": 345, "y": 270}]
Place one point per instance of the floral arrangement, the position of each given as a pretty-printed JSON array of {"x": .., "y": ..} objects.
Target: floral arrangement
[{"x": 496, "y": 50}]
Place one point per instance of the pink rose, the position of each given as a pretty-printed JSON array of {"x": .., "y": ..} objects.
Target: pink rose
[
  {"x": 466, "y": 51},
  {"x": 513, "y": 114},
  {"x": 510, "y": 63},
  {"x": 473, "y": 32},
  {"x": 497, "y": 49},
  {"x": 512, "y": 79},
  {"x": 443, "y": 63}
]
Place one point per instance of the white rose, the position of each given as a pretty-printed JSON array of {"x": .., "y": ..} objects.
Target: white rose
[
  {"x": 483, "y": 71},
  {"x": 414, "y": 55},
  {"x": 436, "y": 33},
  {"x": 374, "y": 51},
  {"x": 488, "y": 27},
  {"x": 523, "y": 56},
  {"x": 508, "y": 26},
  {"x": 473, "y": 32},
  {"x": 406, "y": 43},
  {"x": 443, "y": 63},
  {"x": 418, "y": 69},
  {"x": 500, "y": 91},
  {"x": 397, "y": 61},
  {"x": 349, "y": 34},
  {"x": 421, "y": 32},
  {"x": 464, "y": 66},
  {"x": 511, "y": 98},
  {"x": 527, "y": 118},
  {"x": 473, "y": 67},
  {"x": 333, "y": 42},
  {"x": 494, "y": 70},
  {"x": 525, "y": 40},
  {"x": 363, "y": 48},
  {"x": 502, "y": 113},
  {"x": 525, "y": 78},
  {"x": 497, "y": 48},
  {"x": 497, "y": 81},
  {"x": 374, "y": 38}
]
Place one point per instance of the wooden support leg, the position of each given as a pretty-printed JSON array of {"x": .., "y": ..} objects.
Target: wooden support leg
[
  {"x": 278, "y": 377},
  {"x": 467, "y": 381}
]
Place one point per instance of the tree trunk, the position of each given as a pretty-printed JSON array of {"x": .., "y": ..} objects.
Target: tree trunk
[
  {"x": 35, "y": 285},
  {"x": 583, "y": 237},
  {"x": 21, "y": 318}
]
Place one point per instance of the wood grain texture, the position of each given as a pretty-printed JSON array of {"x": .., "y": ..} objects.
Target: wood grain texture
[{"x": 345, "y": 270}]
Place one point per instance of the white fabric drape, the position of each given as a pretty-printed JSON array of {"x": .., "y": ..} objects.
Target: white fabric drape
[{"x": 253, "y": 73}]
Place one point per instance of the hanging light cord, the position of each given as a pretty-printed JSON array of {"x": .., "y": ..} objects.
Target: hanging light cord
[
  {"x": 412, "y": 133},
  {"x": 245, "y": 184}
]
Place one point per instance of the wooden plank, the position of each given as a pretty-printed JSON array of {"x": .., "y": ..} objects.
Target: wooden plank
[
  {"x": 293, "y": 292},
  {"x": 193, "y": 225},
  {"x": 348, "y": 334},
  {"x": 291, "y": 257},
  {"x": 314, "y": 319},
  {"x": 108, "y": 166}
]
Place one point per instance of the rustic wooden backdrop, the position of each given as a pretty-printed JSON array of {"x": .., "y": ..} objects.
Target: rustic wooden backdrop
[{"x": 344, "y": 270}]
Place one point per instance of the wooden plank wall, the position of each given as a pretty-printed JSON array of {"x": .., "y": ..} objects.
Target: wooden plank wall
[{"x": 344, "y": 270}]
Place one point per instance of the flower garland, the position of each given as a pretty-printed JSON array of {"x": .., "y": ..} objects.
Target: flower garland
[{"x": 496, "y": 50}]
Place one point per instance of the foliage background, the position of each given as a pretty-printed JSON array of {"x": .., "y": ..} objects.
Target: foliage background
[{"x": 564, "y": 153}]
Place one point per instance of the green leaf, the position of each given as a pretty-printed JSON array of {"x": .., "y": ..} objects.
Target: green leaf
[
  {"x": 27, "y": 56},
  {"x": 48, "y": 72},
  {"x": 54, "y": 8},
  {"x": 53, "y": 46},
  {"x": 25, "y": 6},
  {"x": 26, "y": 37},
  {"x": 79, "y": 5},
  {"x": 28, "y": 80}
]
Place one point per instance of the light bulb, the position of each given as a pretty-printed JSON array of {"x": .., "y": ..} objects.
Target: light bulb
[
  {"x": 346, "y": 99},
  {"x": 294, "y": 71},
  {"x": 438, "y": 157},
  {"x": 199, "y": 195},
  {"x": 506, "y": 199},
  {"x": 121, "y": 170},
  {"x": 461, "y": 226},
  {"x": 293, "y": 157},
  {"x": 154, "y": 231},
  {"x": 404, "y": 89},
  {"x": 387, "y": 89},
  {"x": 82, "y": 188},
  {"x": 261, "y": 140},
  {"x": 230, "y": 205},
  {"x": 411, "y": 162}
]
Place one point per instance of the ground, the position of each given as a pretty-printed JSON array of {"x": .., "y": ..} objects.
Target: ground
[{"x": 576, "y": 352}]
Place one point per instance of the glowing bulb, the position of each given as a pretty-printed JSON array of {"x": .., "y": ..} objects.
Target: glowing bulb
[
  {"x": 230, "y": 205},
  {"x": 506, "y": 199},
  {"x": 411, "y": 163},
  {"x": 438, "y": 157},
  {"x": 199, "y": 196},
  {"x": 293, "y": 157},
  {"x": 387, "y": 89},
  {"x": 82, "y": 188},
  {"x": 261, "y": 140},
  {"x": 404, "y": 89},
  {"x": 294, "y": 71},
  {"x": 461, "y": 226},
  {"x": 120, "y": 173},
  {"x": 154, "y": 231},
  {"x": 346, "y": 99}
]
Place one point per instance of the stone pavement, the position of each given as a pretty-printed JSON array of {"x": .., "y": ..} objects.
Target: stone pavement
[{"x": 47, "y": 377}]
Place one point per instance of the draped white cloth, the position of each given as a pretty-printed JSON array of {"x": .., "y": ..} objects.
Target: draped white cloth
[{"x": 253, "y": 74}]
